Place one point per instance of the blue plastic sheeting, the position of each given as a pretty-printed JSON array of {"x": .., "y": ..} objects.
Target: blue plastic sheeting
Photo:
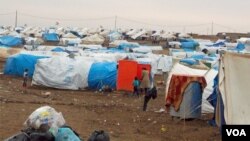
[
  {"x": 51, "y": 37},
  {"x": 198, "y": 57},
  {"x": 219, "y": 44},
  {"x": 191, "y": 104},
  {"x": 15, "y": 65},
  {"x": 127, "y": 45},
  {"x": 66, "y": 134},
  {"x": 189, "y": 61},
  {"x": 240, "y": 47},
  {"x": 115, "y": 50},
  {"x": 111, "y": 50},
  {"x": 186, "y": 40},
  {"x": 102, "y": 73},
  {"x": 189, "y": 45},
  {"x": 11, "y": 41},
  {"x": 58, "y": 49},
  {"x": 180, "y": 50}
]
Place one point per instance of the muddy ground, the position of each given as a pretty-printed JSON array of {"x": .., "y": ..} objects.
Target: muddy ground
[{"x": 118, "y": 113}]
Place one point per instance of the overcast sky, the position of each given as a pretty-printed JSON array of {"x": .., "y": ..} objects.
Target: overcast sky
[{"x": 181, "y": 15}]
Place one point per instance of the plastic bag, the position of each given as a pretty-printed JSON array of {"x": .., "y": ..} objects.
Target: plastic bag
[{"x": 45, "y": 115}]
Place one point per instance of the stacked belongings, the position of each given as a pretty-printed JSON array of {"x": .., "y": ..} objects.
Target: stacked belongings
[{"x": 45, "y": 124}]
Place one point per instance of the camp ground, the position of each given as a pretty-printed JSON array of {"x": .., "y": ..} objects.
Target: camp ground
[{"x": 83, "y": 77}]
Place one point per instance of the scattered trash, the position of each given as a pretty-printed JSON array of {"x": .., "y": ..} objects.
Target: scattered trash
[
  {"x": 162, "y": 110},
  {"x": 46, "y": 93},
  {"x": 163, "y": 129}
]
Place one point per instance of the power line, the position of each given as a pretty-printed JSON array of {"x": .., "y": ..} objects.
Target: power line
[
  {"x": 10, "y": 13},
  {"x": 61, "y": 19},
  {"x": 223, "y": 26},
  {"x": 140, "y": 22}
]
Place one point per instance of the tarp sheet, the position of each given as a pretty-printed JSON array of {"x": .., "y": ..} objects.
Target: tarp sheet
[
  {"x": 102, "y": 74},
  {"x": 62, "y": 73},
  {"x": 50, "y": 37},
  {"x": 16, "y": 64},
  {"x": 235, "y": 87},
  {"x": 10, "y": 41}
]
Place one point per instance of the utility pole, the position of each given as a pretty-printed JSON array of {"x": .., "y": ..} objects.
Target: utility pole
[
  {"x": 16, "y": 19},
  {"x": 212, "y": 28},
  {"x": 115, "y": 21}
]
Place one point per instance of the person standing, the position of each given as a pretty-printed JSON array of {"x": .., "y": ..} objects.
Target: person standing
[
  {"x": 152, "y": 93},
  {"x": 25, "y": 78},
  {"x": 145, "y": 82},
  {"x": 136, "y": 84}
]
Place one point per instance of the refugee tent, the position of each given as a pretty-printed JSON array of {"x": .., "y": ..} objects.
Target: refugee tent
[
  {"x": 10, "y": 41},
  {"x": 5, "y": 52},
  {"x": 114, "y": 35},
  {"x": 142, "y": 49},
  {"x": 50, "y": 37},
  {"x": 188, "y": 44},
  {"x": 93, "y": 39},
  {"x": 127, "y": 45},
  {"x": 234, "y": 88},
  {"x": 102, "y": 74},
  {"x": 139, "y": 34},
  {"x": 190, "y": 106},
  {"x": 184, "y": 35},
  {"x": 168, "y": 36},
  {"x": 16, "y": 64},
  {"x": 62, "y": 73},
  {"x": 132, "y": 32},
  {"x": 209, "y": 75}
]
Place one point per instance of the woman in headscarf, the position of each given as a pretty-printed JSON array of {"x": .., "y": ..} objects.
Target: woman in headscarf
[{"x": 145, "y": 82}]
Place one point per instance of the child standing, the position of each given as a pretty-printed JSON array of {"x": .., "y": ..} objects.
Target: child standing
[
  {"x": 136, "y": 84},
  {"x": 25, "y": 78}
]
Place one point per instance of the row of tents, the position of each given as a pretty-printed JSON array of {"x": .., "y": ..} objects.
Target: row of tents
[{"x": 215, "y": 82}]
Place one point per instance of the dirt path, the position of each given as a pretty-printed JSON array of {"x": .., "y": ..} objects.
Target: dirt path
[{"x": 119, "y": 114}]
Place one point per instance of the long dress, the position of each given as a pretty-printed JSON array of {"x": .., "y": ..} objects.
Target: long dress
[{"x": 145, "y": 83}]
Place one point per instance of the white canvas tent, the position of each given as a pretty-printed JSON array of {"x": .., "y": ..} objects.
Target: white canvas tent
[
  {"x": 93, "y": 39},
  {"x": 235, "y": 87}
]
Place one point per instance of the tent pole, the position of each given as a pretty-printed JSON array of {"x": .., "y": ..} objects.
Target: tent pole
[
  {"x": 115, "y": 21},
  {"x": 16, "y": 19}
]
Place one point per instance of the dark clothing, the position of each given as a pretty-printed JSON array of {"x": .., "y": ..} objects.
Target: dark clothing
[
  {"x": 136, "y": 91},
  {"x": 152, "y": 93},
  {"x": 25, "y": 82},
  {"x": 146, "y": 100}
]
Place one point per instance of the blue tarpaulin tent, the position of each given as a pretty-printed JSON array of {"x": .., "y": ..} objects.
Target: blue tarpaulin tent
[
  {"x": 127, "y": 45},
  {"x": 50, "y": 37},
  {"x": 240, "y": 46},
  {"x": 15, "y": 65},
  {"x": 58, "y": 49},
  {"x": 189, "y": 45},
  {"x": 11, "y": 41},
  {"x": 101, "y": 74},
  {"x": 218, "y": 44}
]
